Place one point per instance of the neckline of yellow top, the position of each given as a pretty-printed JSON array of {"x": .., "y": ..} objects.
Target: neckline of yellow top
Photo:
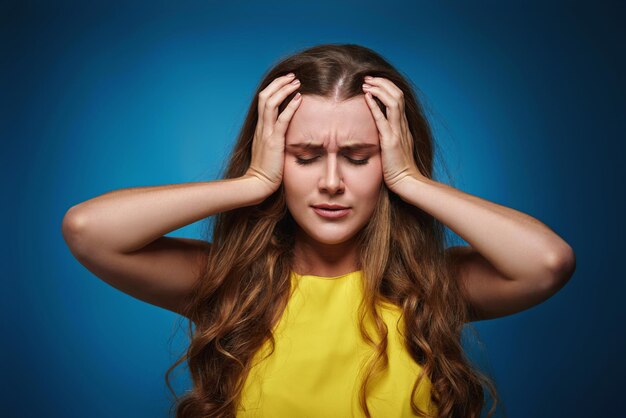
[{"x": 311, "y": 276}]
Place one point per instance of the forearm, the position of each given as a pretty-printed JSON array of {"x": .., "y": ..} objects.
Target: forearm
[
  {"x": 518, "y": 245},
  {"x": 128, "y": 219}
]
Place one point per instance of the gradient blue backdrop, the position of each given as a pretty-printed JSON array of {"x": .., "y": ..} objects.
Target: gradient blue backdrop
[{"x": 527, "y": 102}]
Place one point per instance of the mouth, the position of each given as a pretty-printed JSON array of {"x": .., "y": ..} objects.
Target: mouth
[
  {"x": 330, "y": 207},
  {"x": 332, "y": 212}
]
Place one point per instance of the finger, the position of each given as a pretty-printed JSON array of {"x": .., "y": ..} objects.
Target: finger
[
  {"x": 270, "y": 89},
  {"x": 391, "y": 99},
  {"x": 405, "y": 125},
  {"x": 387, "y": 84},
  {"x": 285, "y": 117},
  {"x": 271, "y": 105},
  {"x": 381, "y": 122},
  {"x": 267, "y": 92}
]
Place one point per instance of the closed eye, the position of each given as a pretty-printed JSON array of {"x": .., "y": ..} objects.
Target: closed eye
[
  {"x": 303, "y": 161},
  {"x": 358, "y": 162}
]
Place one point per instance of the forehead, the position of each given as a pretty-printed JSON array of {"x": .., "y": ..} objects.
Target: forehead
[{"x": 322, "y": 121}]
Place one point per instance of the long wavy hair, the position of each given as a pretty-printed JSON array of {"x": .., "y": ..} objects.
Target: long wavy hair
[{"x": 245, "y": 284}]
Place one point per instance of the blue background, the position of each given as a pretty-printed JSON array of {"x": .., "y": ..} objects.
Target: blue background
[{"x": 527, "y": 101}]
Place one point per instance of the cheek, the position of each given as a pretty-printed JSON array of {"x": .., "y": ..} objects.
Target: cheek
[
  {"x": 295, "y": 179},
  {"x": 367, "y": 180}
]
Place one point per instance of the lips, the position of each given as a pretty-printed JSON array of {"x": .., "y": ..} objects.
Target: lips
[
  {"x": 331, "y": 211},
  {"x": 330, "y": 207}
]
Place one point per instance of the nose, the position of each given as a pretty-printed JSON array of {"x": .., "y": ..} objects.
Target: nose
[{"x": 331, "y": 180}]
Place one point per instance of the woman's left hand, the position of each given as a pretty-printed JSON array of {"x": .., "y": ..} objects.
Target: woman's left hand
[{"x": 396, "y": 142}]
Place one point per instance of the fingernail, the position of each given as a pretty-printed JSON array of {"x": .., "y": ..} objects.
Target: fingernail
[
  {"x": 290, "y": 75},
  {"x": 296, "y": 81},
  {"x": 367, "y": 77}
]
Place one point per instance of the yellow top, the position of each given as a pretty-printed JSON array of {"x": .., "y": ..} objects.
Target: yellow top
[{"x": 318, "y": 357}]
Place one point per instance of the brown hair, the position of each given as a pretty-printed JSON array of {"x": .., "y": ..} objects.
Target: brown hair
[{"x": 245, "y": 284}]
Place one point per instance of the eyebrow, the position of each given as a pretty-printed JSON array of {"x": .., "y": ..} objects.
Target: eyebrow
[{"x": 351, "y": 146}]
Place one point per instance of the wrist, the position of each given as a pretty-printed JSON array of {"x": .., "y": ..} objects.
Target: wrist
[
  {"x": 260, "y": 188},
  {"x": 405, "y": 188},
  {"x": 400, "y": 186}
]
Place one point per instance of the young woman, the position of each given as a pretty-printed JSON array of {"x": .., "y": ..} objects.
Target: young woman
[{"x": 327, "y": 289}]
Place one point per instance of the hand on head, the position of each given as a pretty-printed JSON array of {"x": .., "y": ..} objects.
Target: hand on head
[
  {"x": 396, "y": 141},
  {"x": 268, "y": 144}
]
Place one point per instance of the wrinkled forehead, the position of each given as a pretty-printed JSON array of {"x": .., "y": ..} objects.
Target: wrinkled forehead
[{"x": 326, "y": 122}]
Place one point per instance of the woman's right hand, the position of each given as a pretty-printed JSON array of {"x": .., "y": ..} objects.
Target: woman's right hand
[{"x": 268, "y": 144}]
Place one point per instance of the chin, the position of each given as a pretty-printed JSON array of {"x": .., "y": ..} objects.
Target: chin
[
  {"x": 330, "y": 238},
  {"x": 331, "y": 241}
]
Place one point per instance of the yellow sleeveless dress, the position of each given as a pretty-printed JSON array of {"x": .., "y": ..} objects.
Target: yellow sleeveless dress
[{"x": 319, "y": 354}]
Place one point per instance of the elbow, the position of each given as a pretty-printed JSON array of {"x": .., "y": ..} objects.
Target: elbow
[
  {"x": 561, "y": 265},
  {"x": 73, "y": 225}
]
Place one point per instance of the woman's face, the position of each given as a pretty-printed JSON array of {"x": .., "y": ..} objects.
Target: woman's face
[{"x": 319, "y": 169}]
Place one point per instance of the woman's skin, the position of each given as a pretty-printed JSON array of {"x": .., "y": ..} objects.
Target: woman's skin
[
  {"x": 512, "y": 263},
  {"x": 120, "y": 236},
  {"x": 516, "y": 244},
  {"x": 317, "y": 171}
]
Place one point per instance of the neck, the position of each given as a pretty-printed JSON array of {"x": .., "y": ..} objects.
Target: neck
[{"x": 327, "y": 260}]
